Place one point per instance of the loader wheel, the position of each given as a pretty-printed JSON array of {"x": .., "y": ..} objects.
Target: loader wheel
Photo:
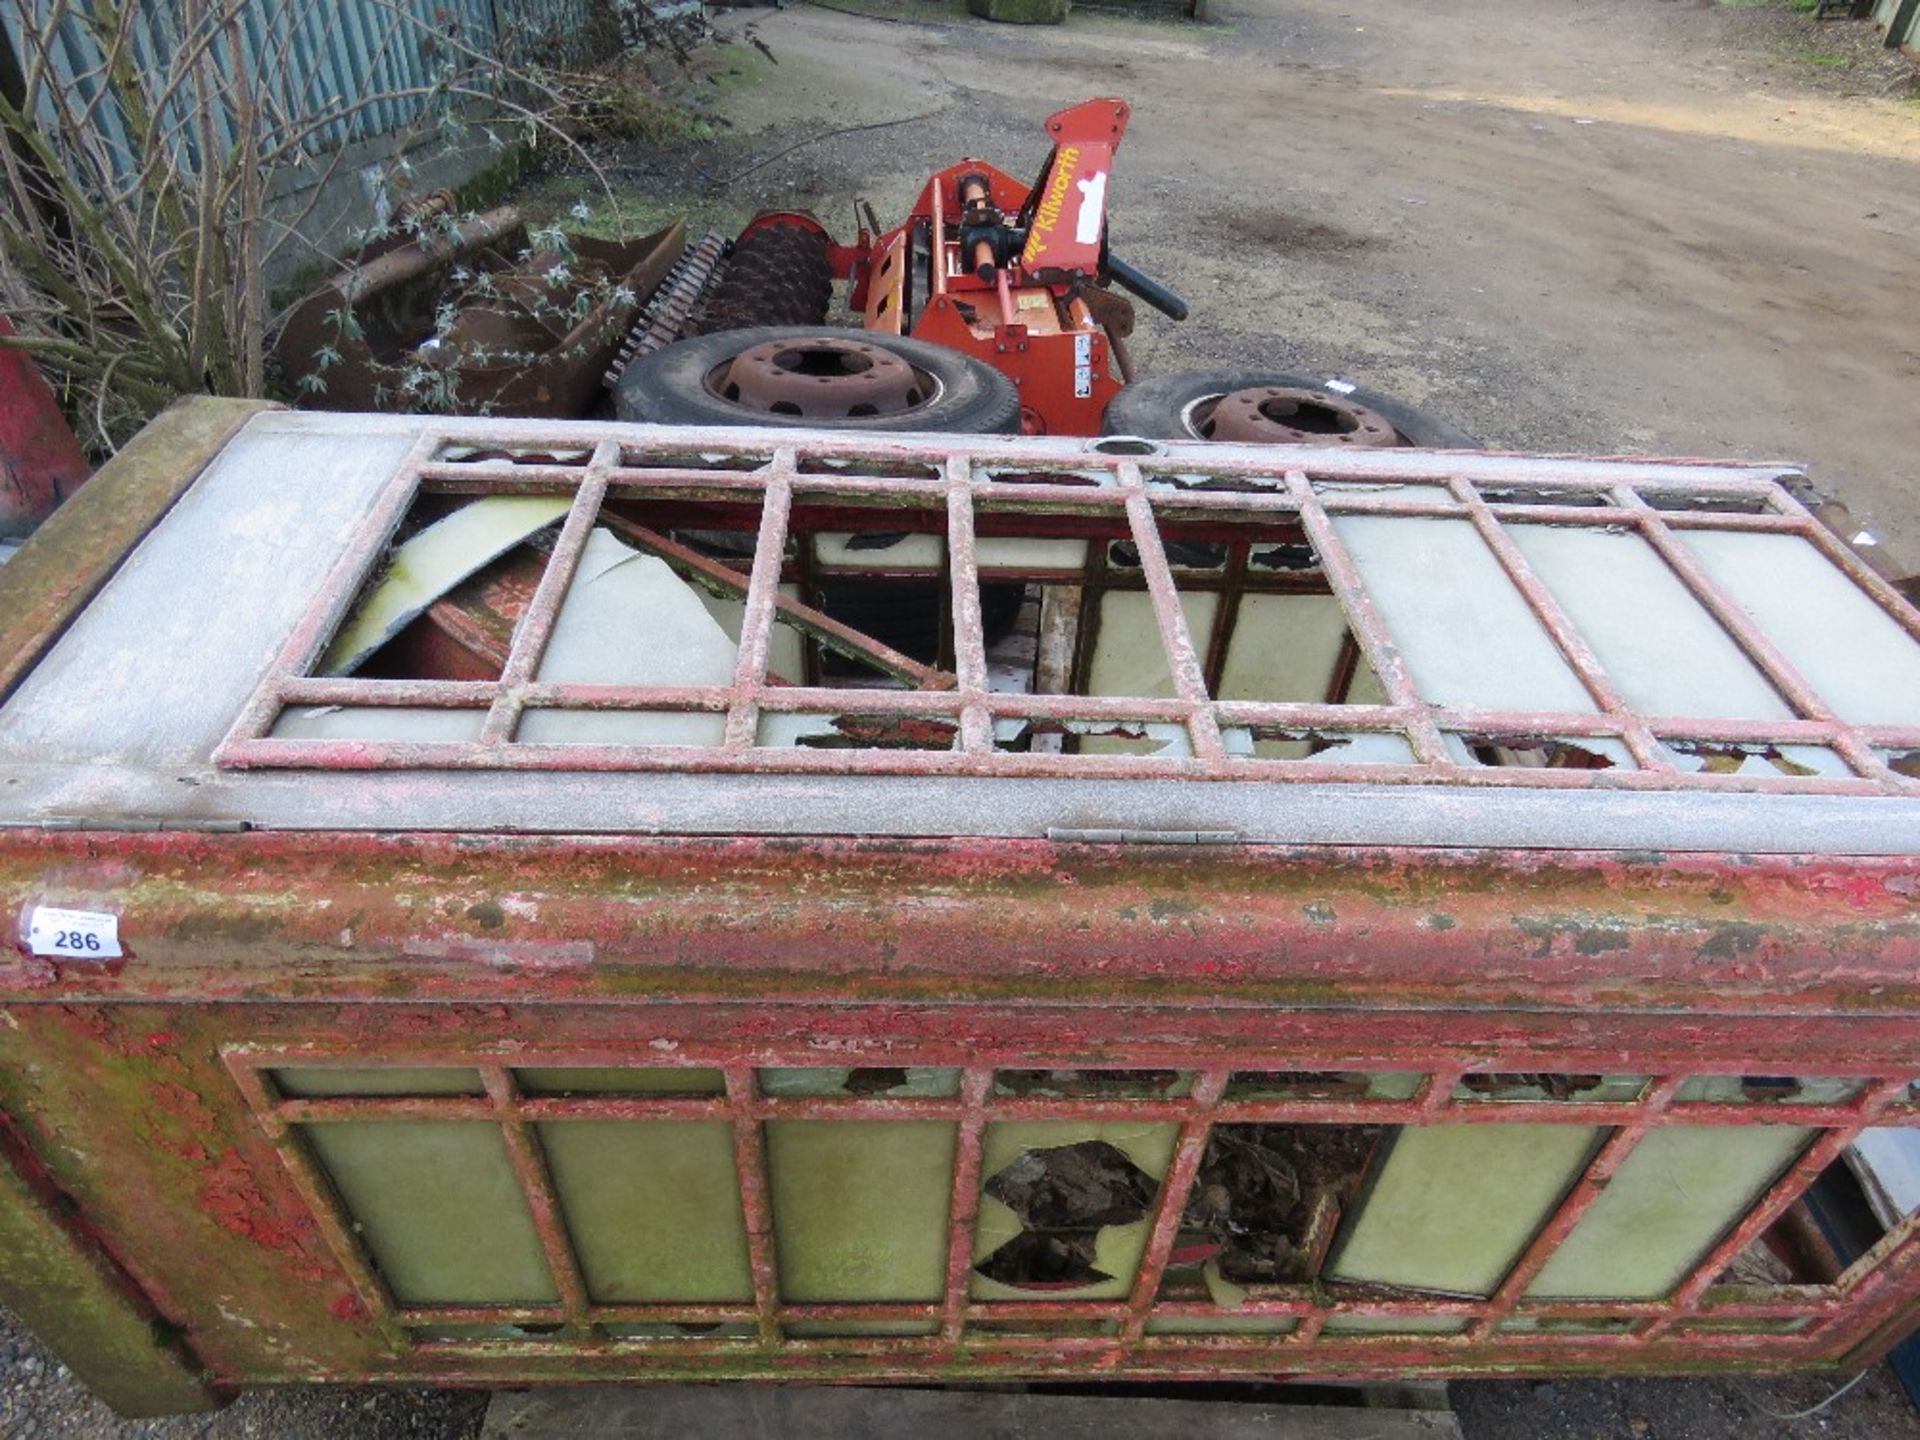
[
  {"x": 776, "y": 275},
  {"x": 828, "y": 379},
  {"x": 1263, "y": 408}
]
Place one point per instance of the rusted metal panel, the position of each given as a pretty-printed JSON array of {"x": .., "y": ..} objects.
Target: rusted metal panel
[
  {"x": 448, "y": 917},
  {"x": 265, "y": 1236},
  {"x": 1668, "y": 782},
  {"x": 1139, "y": 501},
  {"x": 355, "y": 965},
  {"x": 57, "y": 1277},
  {"x": 41, "y": 463}
]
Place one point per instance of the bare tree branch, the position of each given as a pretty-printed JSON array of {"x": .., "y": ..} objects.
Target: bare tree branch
[{"x": 162, "y": 156}]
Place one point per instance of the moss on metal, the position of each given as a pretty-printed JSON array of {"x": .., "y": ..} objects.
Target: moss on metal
[
  {"x": 73, "y": 1297},
  {"x": 76, "y": 552}
]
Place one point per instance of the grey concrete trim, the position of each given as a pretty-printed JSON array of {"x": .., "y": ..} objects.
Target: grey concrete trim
[
  {"x": 669, "y": 1412},
  {"x": 110, "y": 797}
]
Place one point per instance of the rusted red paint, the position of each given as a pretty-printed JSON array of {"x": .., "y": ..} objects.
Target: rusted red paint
[
  {"x": 230, "y": 1196},
  {"x": 849, "y": 914},
  {"x": 41, "y": 462},
  {"x": 429, "y": 917}
]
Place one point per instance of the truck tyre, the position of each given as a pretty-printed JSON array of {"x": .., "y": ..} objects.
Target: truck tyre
[
  {"x": 819, "y": 378},
  {"x": 1268, "y": 407}
]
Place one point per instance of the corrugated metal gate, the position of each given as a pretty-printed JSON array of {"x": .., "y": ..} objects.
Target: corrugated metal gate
[
  {"x": 310, "y": 59},
  {"x": 1900, "y": 19}
]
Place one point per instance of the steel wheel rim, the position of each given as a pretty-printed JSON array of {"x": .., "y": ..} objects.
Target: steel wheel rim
[
  {"x": 823, "y": 378},
  {"x": 1287, "y": 415}
]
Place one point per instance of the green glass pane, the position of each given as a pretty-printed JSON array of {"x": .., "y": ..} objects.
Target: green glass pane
[
  {"x": 618, "y": 1080},
  {"x": 439, "y": 1208},
  {"x": 1096, "y": 1084},
  {"x": 1767, "y": 1090},
  {"x": 1324, "y": 1085},
  {"x": 1564, "y": 1325},
  {"x": 860, "y": 1208},
  {"x": 922, "y": 1081},
  {"x": 1222, "y": 1325},
  {"x": 1117, "y": 1248},
  {"x": 1395, "y": 1325},
  {"x": 1681, "y": 1189},
  {"x": 1128, "y": 655},
  {"x": 1569, "y": 1089},
  {"x": 470, "y": 1333},
  {"x": 1788, "y": 1326},
  {"x": 1454, "y": 1205},
  {"x": 667, "y": 1330},
  {"x": 653, "y": 1207},
  {"x": 828, "y": 1329},
  {"x": 314, "y": 1082},
  {"x": 978, "y": 1329}
]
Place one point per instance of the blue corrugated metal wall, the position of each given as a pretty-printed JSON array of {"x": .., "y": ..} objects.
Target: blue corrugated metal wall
[
  {"x": 1900, "y": 19},
  {"x": 312, "y": 56}
]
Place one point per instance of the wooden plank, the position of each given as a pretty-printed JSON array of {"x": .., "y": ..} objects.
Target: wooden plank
[{"x": 671, "y": 1412}]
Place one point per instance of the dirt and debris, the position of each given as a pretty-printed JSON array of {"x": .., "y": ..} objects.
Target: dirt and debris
[
  {"x": 883, "y": 732},
  {"x": 1267, "y": 1198},
  {"x": 1740, "y": 759},
  {"x": 40, "y": 1399},
  {"x": 874, "y": 1080},
  {"x": 1532, "y": 753},
  {"x": 1064, "y": 1196},
  {"x": 1088, "y": 1084},
  {"x": 1553, "y": 1087}
]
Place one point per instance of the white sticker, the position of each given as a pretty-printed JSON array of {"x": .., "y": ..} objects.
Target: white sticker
[
  {"x": 1093, "y": 200},
  {"x": 1082, "y": 365},
  {"x": 73, "y": 934},
  {"x": 1342, "y": 387}
]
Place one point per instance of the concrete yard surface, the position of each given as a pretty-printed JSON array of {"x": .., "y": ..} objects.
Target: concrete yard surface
[
  {"x": 1610, "y": 226},
  {"x": 669, "y": 1412}
]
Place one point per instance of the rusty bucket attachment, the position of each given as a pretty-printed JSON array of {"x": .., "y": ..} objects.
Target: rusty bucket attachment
[{"x": 471, "y": 318}]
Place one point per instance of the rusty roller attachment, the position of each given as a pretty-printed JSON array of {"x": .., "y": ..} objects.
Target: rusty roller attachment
[
  {"x": 778, "y": 274},
  {"x": 821, "y": 378}
]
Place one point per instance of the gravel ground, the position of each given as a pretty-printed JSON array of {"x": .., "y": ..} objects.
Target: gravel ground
[
  {"x": 1617, "y": 225},
  {"x": 41, "y": 1400},
  {"x": 1784, "y": 1408}
]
